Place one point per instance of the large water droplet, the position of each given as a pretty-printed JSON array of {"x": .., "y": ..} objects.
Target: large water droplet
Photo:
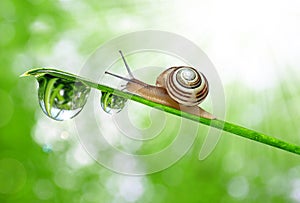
[
  {"x": 111, "y": 103},
  {"x": 61, "y": 99}
]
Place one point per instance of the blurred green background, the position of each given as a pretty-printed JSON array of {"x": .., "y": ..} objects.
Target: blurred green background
[{"x": 255, "y": 48}]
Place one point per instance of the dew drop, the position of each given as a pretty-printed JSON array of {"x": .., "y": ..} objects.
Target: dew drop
[
  {"x": 47, "y": 148},
  {"x": 111, "y": 103},
  {"x": 61, "y": 99}
]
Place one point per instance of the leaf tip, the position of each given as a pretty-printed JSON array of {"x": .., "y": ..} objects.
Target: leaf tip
[
  {"x": 33, "y": 72},
  {"x": 25, "y": 74}
]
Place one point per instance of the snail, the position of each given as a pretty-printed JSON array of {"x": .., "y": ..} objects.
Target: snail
[{"x": 181, "y": 87}]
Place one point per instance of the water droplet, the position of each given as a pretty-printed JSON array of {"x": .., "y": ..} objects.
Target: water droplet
[
  {"x": 111, "y": 103},
  {"x": 47, "y": 148},
  {"x": 61, "y": 99}
]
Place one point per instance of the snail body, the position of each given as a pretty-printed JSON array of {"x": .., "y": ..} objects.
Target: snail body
[{"x": 181, "y": 87}]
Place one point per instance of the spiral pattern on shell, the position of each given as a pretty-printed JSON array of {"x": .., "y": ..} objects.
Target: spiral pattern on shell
[{"x": 187, "y": 86}]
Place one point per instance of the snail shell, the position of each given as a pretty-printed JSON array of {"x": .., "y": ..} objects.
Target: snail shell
[{"x": 184, "y": 84}]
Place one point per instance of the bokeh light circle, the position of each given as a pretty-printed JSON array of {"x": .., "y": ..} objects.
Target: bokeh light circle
[
  {"x": 7, "y": 108},
  {"x": 12, "y": 176}
]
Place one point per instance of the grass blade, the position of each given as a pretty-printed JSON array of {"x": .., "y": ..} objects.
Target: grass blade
[{"x": 216, "y": 123}]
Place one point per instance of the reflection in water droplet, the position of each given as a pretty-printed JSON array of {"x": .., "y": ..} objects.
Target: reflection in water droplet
[
  {"x": 61, "y": 99},
  {"x": 111, "y": 103}
]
